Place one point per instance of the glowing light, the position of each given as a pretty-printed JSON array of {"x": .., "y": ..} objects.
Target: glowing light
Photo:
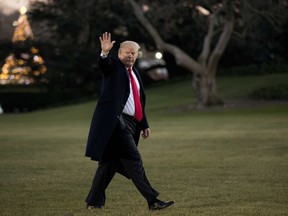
[
  {"x": 23, "y": 10},
  {"x": 145, "y": 8},
  {"x": 36, "y": 73},
  {"x": 34, "y": 50},
  {"x": 18, "y": 70},
  {"x": 202, "y": 10},
  {"x": 158, "y": 55}
]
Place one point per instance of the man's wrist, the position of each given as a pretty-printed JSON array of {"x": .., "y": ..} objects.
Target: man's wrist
[{"x": 104, "y": 54}]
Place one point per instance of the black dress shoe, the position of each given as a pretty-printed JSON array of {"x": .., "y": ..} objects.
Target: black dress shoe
[
  {"x": 94, "y": 206},
  {"x": 158, "y": 204}
]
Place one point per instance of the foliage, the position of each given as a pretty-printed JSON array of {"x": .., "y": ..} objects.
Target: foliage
[
  {"x": 73, "y": 23},
  {"x": 72, "y": 50},
  {"x": 23, "y": 98},
  {"x": 76, "y": 26},
  {"x": 248, "y": 70},
  {"x": 5, "y": 49},
  {"x": 278, "y": 92}
]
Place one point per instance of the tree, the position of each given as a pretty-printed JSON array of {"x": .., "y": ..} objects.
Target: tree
[
  {"x": 221, "y": 16},
  {"x": 74, "y": 28},
  {"x": 208, "y": 26},
  {"x": 23, "y": 65}
]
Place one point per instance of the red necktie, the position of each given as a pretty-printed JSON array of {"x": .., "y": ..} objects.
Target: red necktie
[{"x": 137, "y": 103}]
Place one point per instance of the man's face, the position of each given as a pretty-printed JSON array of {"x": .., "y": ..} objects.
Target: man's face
[{"x": 128, "y": 55}]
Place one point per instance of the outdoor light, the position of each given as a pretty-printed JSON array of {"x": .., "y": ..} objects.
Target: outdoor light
[
  {"x": 158, "y": 55},
  {"x": 202, "y": 10},
  {"x": 23, "y": 10}
]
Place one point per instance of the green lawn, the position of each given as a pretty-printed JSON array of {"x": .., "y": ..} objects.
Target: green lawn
[{"x": 231, "y": 161}]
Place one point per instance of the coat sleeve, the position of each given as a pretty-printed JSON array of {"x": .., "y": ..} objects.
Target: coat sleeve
[{"x": 105, "y": 65}]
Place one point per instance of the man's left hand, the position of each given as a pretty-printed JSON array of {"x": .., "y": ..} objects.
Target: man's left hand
[{"x": 146, "y": 133}]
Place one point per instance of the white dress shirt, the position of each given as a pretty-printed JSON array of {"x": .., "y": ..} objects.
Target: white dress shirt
[{"x": 129, "y": 107}]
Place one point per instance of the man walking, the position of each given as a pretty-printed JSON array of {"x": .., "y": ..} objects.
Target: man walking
[{"x": 117, "y": 123}]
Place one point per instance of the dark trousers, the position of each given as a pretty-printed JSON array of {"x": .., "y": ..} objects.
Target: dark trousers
[{"x": 121, "y": 151}]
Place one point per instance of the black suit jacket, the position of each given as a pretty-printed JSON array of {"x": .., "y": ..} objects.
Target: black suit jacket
[{"x": 114, "y": 94}]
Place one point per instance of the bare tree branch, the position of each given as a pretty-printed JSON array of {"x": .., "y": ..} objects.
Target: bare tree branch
[
  {"x": 207, "y": 41},
  {"x": 223, "y": 39},
  {"x": 182, "y": 58}
]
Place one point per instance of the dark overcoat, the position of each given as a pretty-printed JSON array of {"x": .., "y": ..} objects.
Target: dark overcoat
[{"x": 114, "y": 94}]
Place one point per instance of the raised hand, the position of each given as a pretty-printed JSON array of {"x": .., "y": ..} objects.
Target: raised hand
[{"x": 106, "y": 43}]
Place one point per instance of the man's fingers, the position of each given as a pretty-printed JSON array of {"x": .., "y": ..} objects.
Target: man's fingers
[
  {"x": 106, "y": 36},
  {"x": 145, "y": 133}
]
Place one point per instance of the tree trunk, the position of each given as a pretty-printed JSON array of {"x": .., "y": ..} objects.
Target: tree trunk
[{"x": 205, "y": 89}]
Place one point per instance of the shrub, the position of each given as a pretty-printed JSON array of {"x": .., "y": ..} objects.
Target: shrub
[{"x": 278, "y": 92}]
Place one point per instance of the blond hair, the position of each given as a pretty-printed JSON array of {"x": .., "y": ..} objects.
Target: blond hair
[{"x": 129, "y": 44}]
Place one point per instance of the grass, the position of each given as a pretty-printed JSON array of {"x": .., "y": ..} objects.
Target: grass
[{"x": 217, "y": 162}]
